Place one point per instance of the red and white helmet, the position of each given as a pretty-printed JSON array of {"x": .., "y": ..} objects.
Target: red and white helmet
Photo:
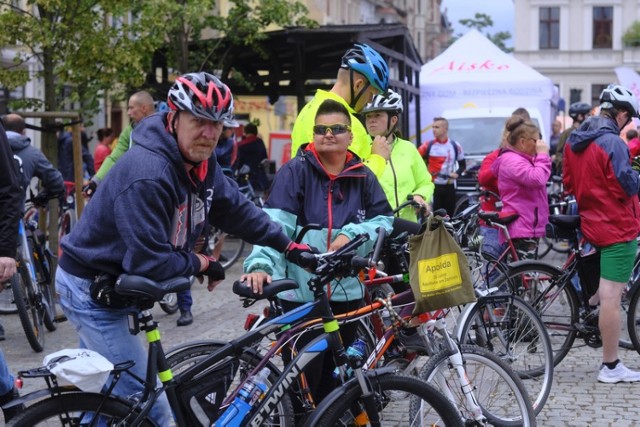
[{"x": 203, "y": 95}]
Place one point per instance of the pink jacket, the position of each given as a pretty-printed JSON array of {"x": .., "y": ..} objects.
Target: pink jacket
[{"x": 522, "y": 181}]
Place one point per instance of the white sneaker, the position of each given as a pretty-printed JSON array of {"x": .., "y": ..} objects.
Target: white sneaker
[{"x": 618, "y": 374}]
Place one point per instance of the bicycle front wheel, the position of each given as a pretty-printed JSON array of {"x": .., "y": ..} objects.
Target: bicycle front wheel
[
  {"x": 227, "y": 249},
  {"x": 30, "y": 315},
  {"x": 393, "y": 394},
  {"x": 183, "y": 358},
  {"x": 495, "y": 387},
  {"x": 75, "y": 409},
  {"x": 508, "y": 327}
]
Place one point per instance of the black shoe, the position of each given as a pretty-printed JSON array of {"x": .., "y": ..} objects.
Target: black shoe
[
  {"x": 2, "y": 338},
  {"x": 13, "y": 411},
  {"x": 186, "y": 318}
]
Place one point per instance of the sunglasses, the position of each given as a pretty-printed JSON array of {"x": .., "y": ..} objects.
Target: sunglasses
[{"x": 335, "y": 129}]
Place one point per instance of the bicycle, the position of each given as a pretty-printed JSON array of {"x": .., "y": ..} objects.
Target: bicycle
[
  {"x": 563, "y": 308},
  {"x": 31, "y": 285},
  {"x": 387, "y": 346},
  {"x": 201, "y": 389}
]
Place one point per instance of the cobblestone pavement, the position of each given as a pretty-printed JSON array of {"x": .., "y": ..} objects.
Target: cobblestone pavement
[{"x": 576, "y": 399}]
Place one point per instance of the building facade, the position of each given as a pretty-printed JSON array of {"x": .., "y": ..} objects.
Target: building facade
[{"x": 577, "y": 43}]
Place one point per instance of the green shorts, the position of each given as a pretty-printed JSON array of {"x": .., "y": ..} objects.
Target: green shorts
[{"x": 616, "y": 261}]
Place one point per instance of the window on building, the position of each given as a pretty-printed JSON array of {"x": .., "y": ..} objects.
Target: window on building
[
  {"x": 596, "y": 90},
  {"x": 549, "y": 27},
  {"x": 575, "y": 95},
  {"x": 602, "y": 27}
]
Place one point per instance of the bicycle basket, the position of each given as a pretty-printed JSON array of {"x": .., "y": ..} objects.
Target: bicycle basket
[{"x": 204, "y": 395}]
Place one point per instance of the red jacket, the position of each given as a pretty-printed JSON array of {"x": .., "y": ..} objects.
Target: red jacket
[
  {"x": 597, "y": 171},
  {"x": 489, "y": 181}
]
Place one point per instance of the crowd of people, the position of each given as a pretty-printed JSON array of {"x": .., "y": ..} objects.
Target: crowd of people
[{"x": 350, "y": 170}]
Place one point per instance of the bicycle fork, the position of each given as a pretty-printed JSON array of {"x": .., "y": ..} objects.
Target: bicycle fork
[{"x": 455, "y": 359}]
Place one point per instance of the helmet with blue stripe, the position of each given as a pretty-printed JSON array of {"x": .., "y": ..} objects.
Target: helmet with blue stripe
[{"x": 366, "y": 61}]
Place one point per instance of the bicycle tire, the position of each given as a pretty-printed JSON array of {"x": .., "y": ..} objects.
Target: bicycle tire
[
  {"x": 43, "y": 274},
  {"x": 30, "y": 316},
  {"x": 182, "y": 358},
  {"x": 392, "y": 392},
  {"x": 169, "y": 303},
  {"x": 232, "y": 247},
  {"x": 497, "y": 389},
  {"x": 633, "y": 316},
  {"x": 68, "y": 409},
  {"x": 7, "y": 306},
  {"x": 555, "y": 301},
  {"x": 507, "y": 326}
]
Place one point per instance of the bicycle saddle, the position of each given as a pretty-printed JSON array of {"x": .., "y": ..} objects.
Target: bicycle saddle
[
  {"x": 503, "y": 218},
  {"x": 142, "y": 287},
  {"x": 568, "y": 222},
  {"x": 268, "y": 290}
]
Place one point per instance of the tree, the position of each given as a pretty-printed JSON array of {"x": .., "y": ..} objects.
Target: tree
[
  {"x": 82, "y": 49},
  {"x": 182, "y": 22},
  {"x": 482, "y": 22}
]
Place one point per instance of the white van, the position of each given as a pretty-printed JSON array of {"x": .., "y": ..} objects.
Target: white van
[{"x": 479, "y": 132}]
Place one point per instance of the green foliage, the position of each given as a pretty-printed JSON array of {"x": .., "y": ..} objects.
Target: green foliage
[
  {"x": 483, "y": 22},
  {"x": 88, "y": 49},
  {"x": 79, "y": 54},
  {"x": 631, "y": 37}
]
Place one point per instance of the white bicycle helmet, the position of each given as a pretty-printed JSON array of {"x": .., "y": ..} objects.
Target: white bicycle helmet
[
  {"x": 617, "y": 96},
  {"x": 203, "y": 95},
  {"x": 392, "y": 103}
]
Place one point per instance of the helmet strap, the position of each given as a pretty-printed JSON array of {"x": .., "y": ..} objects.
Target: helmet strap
[
  {"x": 390, "y": 128},
  {"x": 354, "y": 97}
]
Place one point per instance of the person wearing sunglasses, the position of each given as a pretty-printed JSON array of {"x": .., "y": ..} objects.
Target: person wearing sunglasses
[
  {"x": 523, "y": 168},
  {"x": 363, "y": 74},
  {"x": 325, "y": 184},
  {"x": 405, "y": 173}
]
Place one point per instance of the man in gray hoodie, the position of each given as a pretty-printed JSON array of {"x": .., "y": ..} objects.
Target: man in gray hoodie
[{"x": 33, "y": 161}]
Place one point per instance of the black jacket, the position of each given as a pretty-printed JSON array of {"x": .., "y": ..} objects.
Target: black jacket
[{"x": 10, "y": 198}]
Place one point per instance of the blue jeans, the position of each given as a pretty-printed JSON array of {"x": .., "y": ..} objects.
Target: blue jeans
[
  {"x": 491, "y": 242},
  {"x": 106, "y": 330},
  {"x": 6, "y": 379},
  {"x": 184, "y": 300}
]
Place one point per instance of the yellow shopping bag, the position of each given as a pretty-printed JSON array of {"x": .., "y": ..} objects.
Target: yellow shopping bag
[{"x": 438, "y": 270}]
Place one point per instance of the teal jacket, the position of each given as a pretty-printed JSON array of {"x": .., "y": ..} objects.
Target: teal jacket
[{"x": 302, "y": 193}]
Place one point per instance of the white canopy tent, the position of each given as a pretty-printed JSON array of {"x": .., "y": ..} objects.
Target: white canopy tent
[{"x": 473, "y": 72}]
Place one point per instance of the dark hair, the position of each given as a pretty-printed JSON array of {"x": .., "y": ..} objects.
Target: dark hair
[
  {"x": 522, "y": 112},
  {"x": 250, "y": 129},
  {"x": 632, "y": 133},
  {"x": 333, "y": 107},
  {"x": 104, "y": 133},
  {"x": 517, "y": 127}
]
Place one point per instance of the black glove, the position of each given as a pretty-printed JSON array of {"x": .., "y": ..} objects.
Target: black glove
[
  {"x": 90, "y": 189},
  {"x": 214, "y": 270},
  {"x": 294, "y": 253}
]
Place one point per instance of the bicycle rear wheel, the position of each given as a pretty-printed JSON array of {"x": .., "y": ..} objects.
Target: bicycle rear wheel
[
  {"x": 393, "y": 394},
  {"x": 30, "y": 315},
  {"x": 512, "y": 330},
  {"x": 74, "y": 409},
  {"x": 555, "y": 300},
  {"x": 497, "y": 389}
]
